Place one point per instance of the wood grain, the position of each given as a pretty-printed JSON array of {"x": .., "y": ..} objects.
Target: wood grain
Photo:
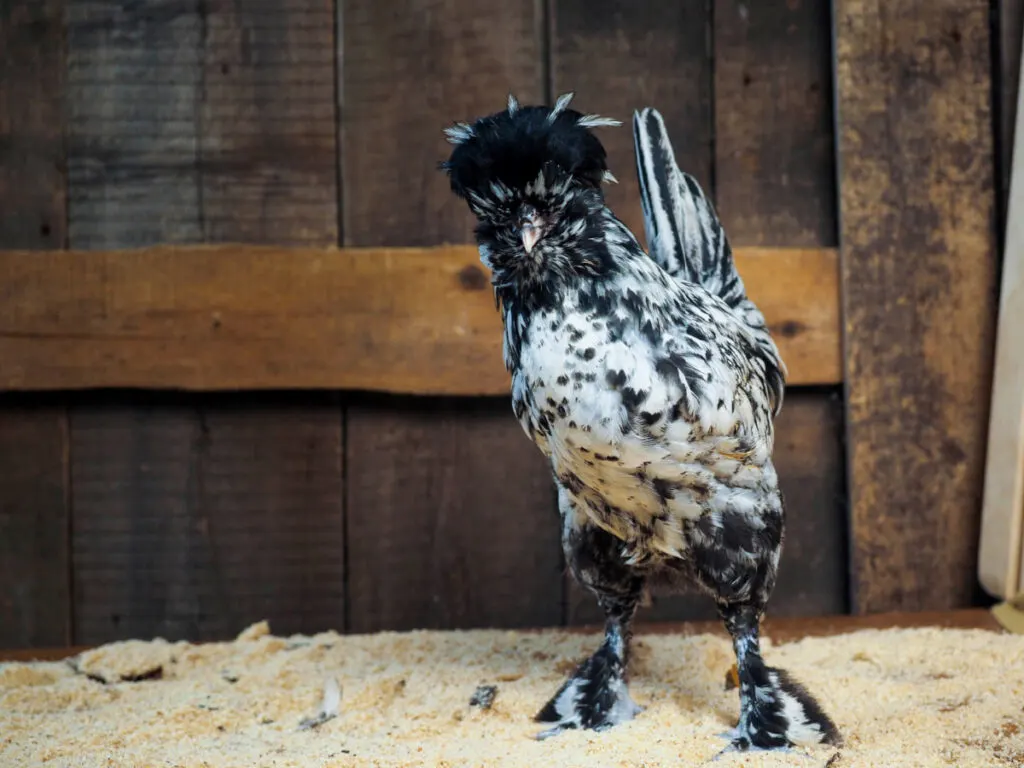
[
  {"x": 267, "y": 117},
  {"x": 398, "y": 320},
  {"x": 451, "y": 516},
  {"x": 809, "y": 456},
  {"x": 775, "y": 183},
  {"x": 450, "y": 511},
  {"x": 195, "y": 519},
  {"x": 133, "y": 130},
  {"x": 202, "y": 122},
  {"x": 918, "y": 274},
  {"x": 813, "y": 572},
  {"x": 619, "y": 56},
  {"x": 774, "y": 149},
  {"x": 32, "y": 173},
  {"x": 35, "y": 604},
  {"x": 1001, "y": 546},
  {"x": 134, "y": 179},
  {"x": 405, "y": 77}
]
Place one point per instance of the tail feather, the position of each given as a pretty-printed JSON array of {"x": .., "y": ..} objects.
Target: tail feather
[
  {"x": 684, "y": 234},
  {"x": 686, "y": 237}
]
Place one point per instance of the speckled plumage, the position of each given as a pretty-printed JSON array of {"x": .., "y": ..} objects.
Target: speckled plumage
[{"x": 649, "y": 381}]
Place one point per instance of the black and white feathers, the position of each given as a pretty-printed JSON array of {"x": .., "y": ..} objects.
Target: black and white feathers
[
  {"x": 533, "y": 173},
  {"x": 606, "y": 347},
  {"x": 508, "y": 149},
  {"x": 649, "y": 381},
  {"x": 684, "y": 234}
]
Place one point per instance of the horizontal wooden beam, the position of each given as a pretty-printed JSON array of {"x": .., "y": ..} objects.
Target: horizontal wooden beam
[{"x": 406, "y": 320}]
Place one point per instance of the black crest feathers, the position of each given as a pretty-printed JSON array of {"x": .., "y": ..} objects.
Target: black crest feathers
[{"x": 510, "y": 149}]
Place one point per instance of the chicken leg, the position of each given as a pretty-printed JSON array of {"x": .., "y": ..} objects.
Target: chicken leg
[
  {"x": 596, "y": 696},
  {"x": 775, "y": 710}
]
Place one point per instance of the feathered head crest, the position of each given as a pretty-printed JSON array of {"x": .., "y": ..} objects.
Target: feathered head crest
[{"x": 511, "y": 148}]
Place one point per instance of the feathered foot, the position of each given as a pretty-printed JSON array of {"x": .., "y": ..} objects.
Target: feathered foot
[
  {"x": 775, "y": 711},
  {"x": 779, "y": 713},
  {"x": 596, "y": 697}
]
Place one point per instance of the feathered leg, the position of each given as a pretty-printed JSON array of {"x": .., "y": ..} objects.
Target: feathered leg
[
  {"x": 775, "y": 710},
  {"x": 596, "y": 696},
  {"x": 736, "y": 555}
]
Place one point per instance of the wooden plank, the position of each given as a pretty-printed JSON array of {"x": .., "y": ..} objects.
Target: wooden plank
[
  {"x": 226, "y": 109},
  {"x": 404, "y": 78},
  {"x": 195, "y": 519},
  {"x": 35, "y": 605},
  {"x": 809, "y": 456},
  {"x": 134, "y": 79},
  {"x": 32, "y": 177},
  {"x": 918, "y": 275},
  {"x": 813, "y": 573},
  {"x": 774, "y": 148},
  {"x": 269, "y": 166},
  {"x": 451, "y": 518},
  {"x": 398, "y": 320},
  {"x": 450, "y": 511},
  {"x": 1001, "y": 547},
  {"x": 191, "y": 122},
  {"x": 780, "y": 630},
  {"x": 619, "y": 56}
]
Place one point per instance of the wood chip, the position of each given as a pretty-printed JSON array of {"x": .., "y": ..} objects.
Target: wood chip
[{"x": 406, "y": 699}]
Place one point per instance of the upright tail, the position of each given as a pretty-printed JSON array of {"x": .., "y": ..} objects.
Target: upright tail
[
  {"x": 684, "y": 234},
  {"x": 686, "y": 237}
]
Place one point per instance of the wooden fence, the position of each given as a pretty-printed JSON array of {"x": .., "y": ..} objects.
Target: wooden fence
[{"x": 189, "y": 167}]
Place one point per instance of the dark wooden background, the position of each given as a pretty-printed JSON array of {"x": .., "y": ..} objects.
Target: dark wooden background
[{"x": 307, "y": 122}]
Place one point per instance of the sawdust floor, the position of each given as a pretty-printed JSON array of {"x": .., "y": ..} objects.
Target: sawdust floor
[{"x": 918, "y": 697}]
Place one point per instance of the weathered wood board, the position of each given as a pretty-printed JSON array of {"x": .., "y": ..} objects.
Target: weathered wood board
[
  {"x": 919, "y": 264},
  {"x": 193, "y": 122},
  {"x": 774, "y": 145},
  {"x": 35, "y": 604},
  {"x": 418, "y": 321}
]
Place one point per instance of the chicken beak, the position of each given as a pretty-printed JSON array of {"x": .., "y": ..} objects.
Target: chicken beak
[{"x": 531, "y": 234}]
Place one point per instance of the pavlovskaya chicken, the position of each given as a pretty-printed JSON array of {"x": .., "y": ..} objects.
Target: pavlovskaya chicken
[{"x": 650, "y": 382}]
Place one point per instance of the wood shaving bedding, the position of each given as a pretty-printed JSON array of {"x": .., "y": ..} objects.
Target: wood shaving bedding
[{"x": 910, "y": 697}]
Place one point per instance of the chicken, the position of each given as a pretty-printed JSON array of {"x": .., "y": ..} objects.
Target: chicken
[{"x": 650, "y": 382}]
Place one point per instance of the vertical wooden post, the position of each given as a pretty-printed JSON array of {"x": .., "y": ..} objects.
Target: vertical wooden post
[{"x": 918, "y": 263}]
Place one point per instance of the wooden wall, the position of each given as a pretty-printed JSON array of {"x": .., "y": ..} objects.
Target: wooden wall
[
  {"x": 305, "y": 122},
  {"x": 919, "y": 276}
]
